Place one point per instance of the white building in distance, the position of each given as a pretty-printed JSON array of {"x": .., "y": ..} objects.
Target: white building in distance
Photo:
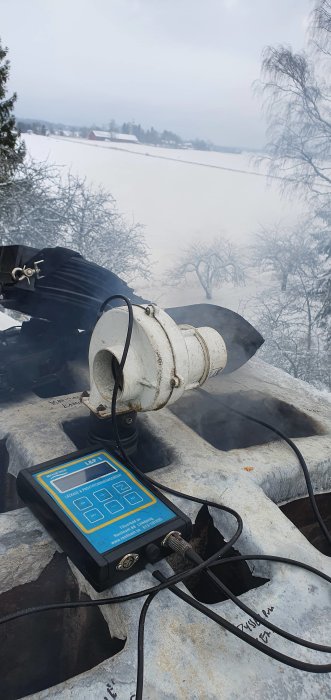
[{"x": 112, "y": 136}]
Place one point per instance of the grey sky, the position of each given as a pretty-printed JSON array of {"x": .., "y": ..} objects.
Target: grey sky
[{"x": 185, "y": 65}]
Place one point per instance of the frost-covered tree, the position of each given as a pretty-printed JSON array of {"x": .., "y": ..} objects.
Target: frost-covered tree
[
  {"x": 289, "y": 315},
  {"x": 323, "y": 285},
  {"x": 94, "y": 227},
  {"x": 296, "y": 89},
  {"x": 12, "y": 150},
  {"x": 42, "y": 208},
  {"x": 287, "y": 252},
  {"x": 30, "y": 210},
  {"x": 294, "y": 340},
  {"x": 211, "y": 264}
]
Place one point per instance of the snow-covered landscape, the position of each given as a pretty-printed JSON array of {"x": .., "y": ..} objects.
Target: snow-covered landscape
[{"x": 179, "y": 196}]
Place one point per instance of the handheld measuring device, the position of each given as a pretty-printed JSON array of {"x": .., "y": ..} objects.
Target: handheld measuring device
[{"x": 100, "y": 513}]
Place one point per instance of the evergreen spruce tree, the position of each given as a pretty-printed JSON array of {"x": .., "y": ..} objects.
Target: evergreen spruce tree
[{"x": 12, "y": 149}]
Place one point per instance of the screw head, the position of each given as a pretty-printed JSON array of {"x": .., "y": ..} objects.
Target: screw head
[
  {"x": 29, "y": 272},
  {"x": 149, "y": 310}
]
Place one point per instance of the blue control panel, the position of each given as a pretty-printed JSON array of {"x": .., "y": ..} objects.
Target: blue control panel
[{"x": 104, "y": 500}]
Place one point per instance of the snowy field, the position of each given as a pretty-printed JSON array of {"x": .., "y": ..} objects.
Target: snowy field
[{"x": 179, "y": 196}]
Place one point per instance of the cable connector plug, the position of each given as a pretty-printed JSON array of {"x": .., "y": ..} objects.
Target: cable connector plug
[{"x": 176, "y": 542}]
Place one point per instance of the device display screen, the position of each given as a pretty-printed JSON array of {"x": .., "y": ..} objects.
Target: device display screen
[{"x": 83, "y": 476}]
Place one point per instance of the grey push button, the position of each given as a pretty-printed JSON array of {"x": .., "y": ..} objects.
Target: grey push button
[
  {"x": 133, "y": 498},
  {"x": 102, "y": 495},
  {"x": 122, "y": 487},
  {"x": 82, "y": 503},
  {"x": 94, "y": 515},
  {"x": 114, "y": 507}
]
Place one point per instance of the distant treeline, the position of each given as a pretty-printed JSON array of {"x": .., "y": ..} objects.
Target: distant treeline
[
  {"x": 150, "y": 136},
  {"x": 166, "y": 137}
]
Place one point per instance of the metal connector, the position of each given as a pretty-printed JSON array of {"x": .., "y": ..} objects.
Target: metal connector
[
  {"x": 25, "y": 273},
  {"x": 176, "y": 542}
]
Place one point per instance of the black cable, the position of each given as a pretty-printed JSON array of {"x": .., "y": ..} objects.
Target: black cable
[
  {"x": 295, "y": 449},
  {"x": 265, "y": 622},
  {"x": 141, "y": 634},
  {"x": 129, "y": 304},
  {"x": 211, "y": 561},
  {"x": 177, "y": 578},
  {"x": 210, "y": 396},
  {"x": 279, "y": 560},
  {"x": 143, "y": 477},
  {"x": 193, "y": 557},
  {"x": 316, "y": 668},
  {"x": 180, "y": 577},
  {"x": 260, "y": 646}
]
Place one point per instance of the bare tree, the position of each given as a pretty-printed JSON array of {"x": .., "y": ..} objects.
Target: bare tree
[
  {"x": 293, "y": 339},
  {"x": 297, "y": 100},
  {"x": 212, "y": 264},
  {"x": 95, "y": 228},
  {"x": 287, "y": 252},
  {"x": 42, "y": 208},
  {"x": 290, "y": 318},
  {"x": 323, "y": 282},
  {"x": 296, "y": 88}
]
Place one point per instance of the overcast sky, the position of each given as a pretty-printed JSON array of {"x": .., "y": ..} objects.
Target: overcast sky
[{"x": 184, "y": 65}]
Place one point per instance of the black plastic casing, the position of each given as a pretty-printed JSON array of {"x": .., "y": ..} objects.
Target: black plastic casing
[{"x": 99, "y": 569}]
